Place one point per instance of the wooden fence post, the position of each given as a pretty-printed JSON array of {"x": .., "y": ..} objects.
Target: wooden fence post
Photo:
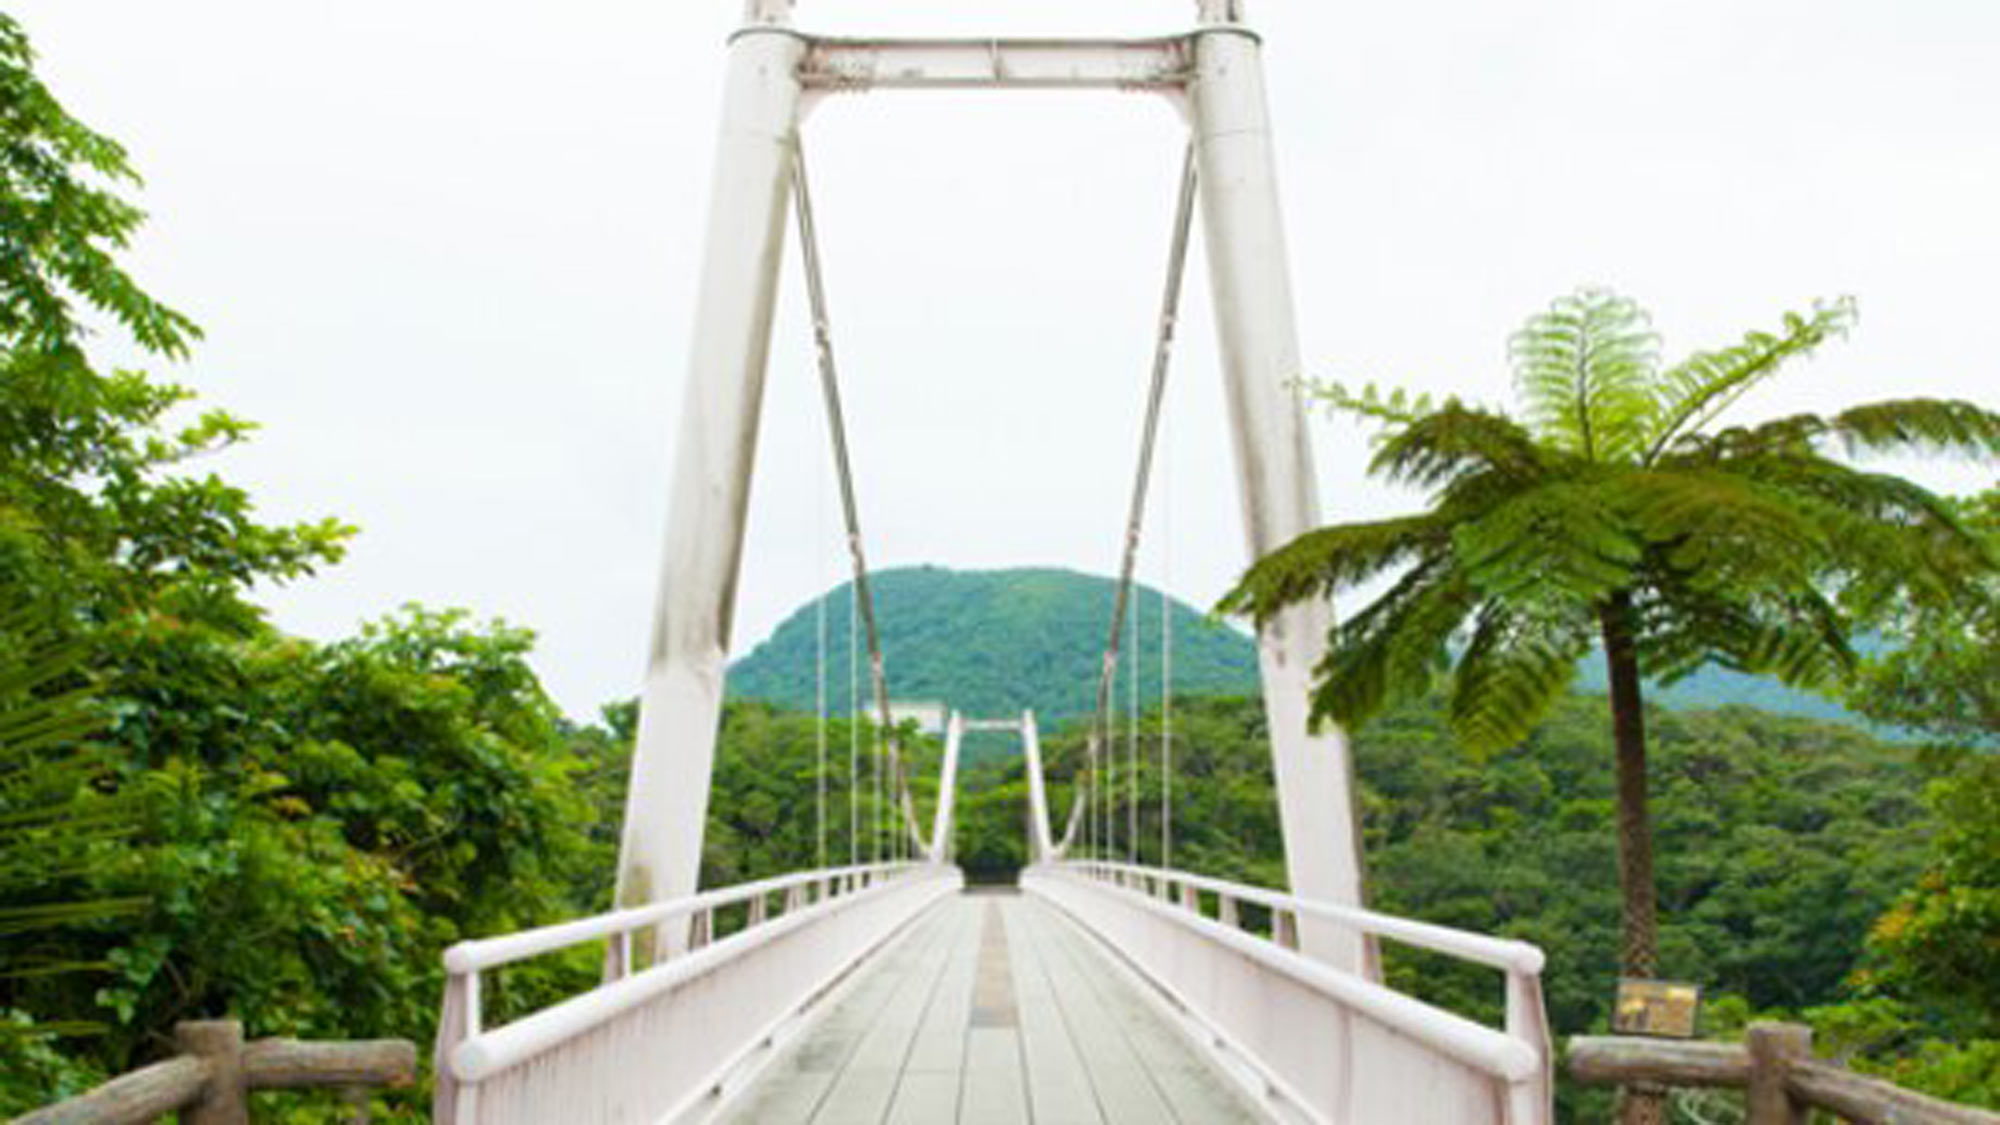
[
  {"x": 1773, "y": 1046},
  {"x": 225, "y": 1100}
]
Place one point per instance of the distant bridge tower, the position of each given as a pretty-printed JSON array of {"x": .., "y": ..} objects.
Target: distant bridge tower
[{"x": 1215, "y": 75}]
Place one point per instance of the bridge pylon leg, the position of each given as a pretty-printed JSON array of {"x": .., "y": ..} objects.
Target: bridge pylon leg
[
  {"x": 1251, "y": 284},
  {"x": 667, "y": 800}
]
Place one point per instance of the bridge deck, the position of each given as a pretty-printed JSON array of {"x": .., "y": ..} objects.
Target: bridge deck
[{"x": 991, "y": 1009}]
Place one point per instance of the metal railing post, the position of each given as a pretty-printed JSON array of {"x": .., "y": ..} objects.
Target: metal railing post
[
  {"x": 453, "y": 1027},
  {"x": 1528, "y": 1021}
]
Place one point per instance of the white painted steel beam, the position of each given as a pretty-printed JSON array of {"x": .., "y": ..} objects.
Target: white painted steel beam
[
  {"x": 1041, "y": 847},
  {"x": 667, "y": 802},
  {"x": 1251, "y": 283},
  {"x": 1008, "y": 726},
  {"x": 856, "y": 65},
  {"x": 947, "y": 798}
]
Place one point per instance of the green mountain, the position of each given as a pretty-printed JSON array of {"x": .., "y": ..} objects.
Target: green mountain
[{"x": 991, "y": 643}]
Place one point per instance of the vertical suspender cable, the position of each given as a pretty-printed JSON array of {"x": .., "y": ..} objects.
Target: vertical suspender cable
[
  {"x": 853, "y": 728},
  {"x": 1111, "y": 768},
  {"x": 1167, "y": 654},
  {"x": 1135, "y": 519},
  {"x": 1095, "y": 795},
  {"x": 850, "y": 509},
  {"x": 875, "y": 827},
  {"x": 1132, "y": 744},
  {"x": 819, "y": 700}
]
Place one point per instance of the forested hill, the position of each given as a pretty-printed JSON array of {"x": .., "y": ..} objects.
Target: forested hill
[{"x": 993, "y": 642}]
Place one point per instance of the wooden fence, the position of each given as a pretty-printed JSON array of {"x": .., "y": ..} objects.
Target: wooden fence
[
  {"x": 1775, "y": 1065},
  {"x": 210, "y": 1082}
]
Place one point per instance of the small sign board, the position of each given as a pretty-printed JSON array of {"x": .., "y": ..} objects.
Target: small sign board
[{"x": 1659, "y": 1008}]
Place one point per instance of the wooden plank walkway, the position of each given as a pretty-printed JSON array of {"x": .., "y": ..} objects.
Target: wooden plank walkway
[{"x": 991, "y": 1010}]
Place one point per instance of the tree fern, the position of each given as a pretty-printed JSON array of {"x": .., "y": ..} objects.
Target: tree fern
[{"x": 1612, "y": 513}]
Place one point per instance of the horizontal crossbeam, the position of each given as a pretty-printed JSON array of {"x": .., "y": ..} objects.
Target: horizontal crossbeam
[
  {"x": 969, "y": 64},
  {"x": 993, "y": 724}
]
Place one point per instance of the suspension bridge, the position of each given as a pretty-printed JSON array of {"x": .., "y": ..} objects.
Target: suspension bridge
[{"x": 884, "y": 989}]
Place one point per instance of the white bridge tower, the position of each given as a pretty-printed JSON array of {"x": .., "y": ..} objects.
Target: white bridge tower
[{"x": 1214, "y": 75}]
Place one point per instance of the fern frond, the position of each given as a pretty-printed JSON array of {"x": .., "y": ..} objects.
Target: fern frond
[
  {"x": 1896, "y": 426},
  {"x": 1722, "y": 527},
  {"x": 1321, "y": 563},
  {"x": 1584, "y": 369},
  {"x": 1556, "y": 543},
  {"x": 1515, "y": 668},
  {"x": 1392, "y": 650},
  {"x": 1454, "y": 440},
  {"x": 1798, "y": 636},
  {"x": 1919, "y": 425},
  {"x": 1392, "y": 409},
  {"x": 1694, "y": 391},
  {"x": 1886, "y": 538}
]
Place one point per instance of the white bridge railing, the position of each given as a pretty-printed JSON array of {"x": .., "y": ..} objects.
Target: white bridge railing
[
  {"x": 657, "y": 1043},
  {"x": 1320, "y": 1044}
]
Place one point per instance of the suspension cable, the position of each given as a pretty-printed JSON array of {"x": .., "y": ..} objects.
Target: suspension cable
[
  {"x": 1132, "y": 744},
  {"x": 853, "y": 728},
  {"x": 1149, "y": 433},
  {"x": 850, "y": 509},
  {"x": 819, "y": 695},
  {"x": 1167, "y": 653}
]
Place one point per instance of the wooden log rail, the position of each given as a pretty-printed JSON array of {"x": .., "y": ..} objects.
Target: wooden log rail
[
  {"x": 211, "y": 1080},
  {"x": 1776, "y": 1067}
]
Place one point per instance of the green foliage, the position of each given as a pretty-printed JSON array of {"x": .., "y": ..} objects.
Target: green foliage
[
  {"x": 51, "y": 810},
  {"x": 52, "y": 816},
  {"x": 1783, "y": 838},
  {"x": 99, "y": 512},
  {"x": 1899, "y": 1041},
  {"x": 764, "y": 814},
  {"x": 319, "y": 821},
  {"x": 1935, "y": 964},
  {"x": 1941, "y": 943},
  {"x": 1941, "y": 677},
  {"x": 64, "y": 224},
  {"x": 292, "y": 830}
]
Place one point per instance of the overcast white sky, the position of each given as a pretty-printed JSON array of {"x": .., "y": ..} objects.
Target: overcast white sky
[{"x": 445, "y": 253}]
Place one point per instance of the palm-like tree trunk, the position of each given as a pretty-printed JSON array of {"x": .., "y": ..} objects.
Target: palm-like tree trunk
[{"x": 1639, "y": 947}]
